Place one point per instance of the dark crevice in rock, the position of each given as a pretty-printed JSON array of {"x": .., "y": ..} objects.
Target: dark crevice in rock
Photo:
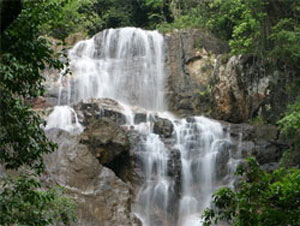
[
  {"x": 190, "y": 60},
  {"x": 121, "y": 165}
]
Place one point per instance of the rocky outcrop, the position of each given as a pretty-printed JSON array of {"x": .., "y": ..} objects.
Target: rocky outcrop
[
  {"x": 204, "y": 79},
  {"x": 101, "y": 197},
  {"x": 191, "y": 62},
  {"x": 98, "y": 108},
  {"x": 222, "y": 159},
  {"x": 163, "y": 127},
  {"x": 109, "y": 143},
  {"x": 260, "y": 141},
  {"x": 242, "y": 90}
]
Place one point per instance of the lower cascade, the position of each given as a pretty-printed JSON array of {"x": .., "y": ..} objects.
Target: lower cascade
[{"x": 181, "y": 168}]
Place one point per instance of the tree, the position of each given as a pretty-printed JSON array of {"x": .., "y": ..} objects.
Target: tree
[
  {"x": 260, "y": 199},
  {"x": 73, "y": 16},
  {"x": 24, "y": 55},
  {"x": 14, "y": 9},
  {"x": 290, "y": 131}
]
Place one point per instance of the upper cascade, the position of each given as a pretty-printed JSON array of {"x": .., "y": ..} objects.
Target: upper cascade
[{"x": 125, "y": 64}]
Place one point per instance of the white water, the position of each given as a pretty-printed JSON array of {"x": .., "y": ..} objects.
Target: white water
[
  {"x": 127, "y": 65},
  {"x": 64, "y": 117},
  {"x": 199, "y": 141},
  {"x": 121, "y": 64}
]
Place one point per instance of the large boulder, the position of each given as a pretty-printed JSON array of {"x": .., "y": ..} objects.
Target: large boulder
[
  {"x": 109, "y": 143},
  {"x": 102, "y": 198},
  {"x": 163, "y": 127},
  {"x": 94, "y": 109}
]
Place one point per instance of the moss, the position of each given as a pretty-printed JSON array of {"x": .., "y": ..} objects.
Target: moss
[
  {"x": 258, "y": 120},
  {"x": 206, "y": 92},
  {"x": 290, "y": 158},
  {"x": 204, "y": 69},
  {"x": 198, "y": 43},
  {"x": 225, "y": 58}
]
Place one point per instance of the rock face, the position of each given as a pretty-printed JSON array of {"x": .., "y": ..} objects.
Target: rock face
[
  {"x": 109, "y": 143},
  {"x": 191, "y": 63},
  {"x": 102, "y": 198},
  {"x": 203, "y": 79},
  {"x": 101, "y": 168},
  {"x": 260, "y": 141},
  {"x": 242, "y": 90}
]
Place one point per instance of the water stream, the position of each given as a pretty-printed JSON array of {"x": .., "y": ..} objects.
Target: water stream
[{"x": 128, "y": 65}]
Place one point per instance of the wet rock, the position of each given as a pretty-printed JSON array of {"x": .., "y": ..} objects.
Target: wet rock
[
  {"x": 244, "y": 132},
  {"x": 191, "y": 119},
  {"x": 97, "y": 108},
  {"x": 266, "y": 152},
  {"x": 222, "y": 160},
  {"x": 109, "y": 143},
  {"x": 163, "y": 127},
  {"x": 101, "y": 197},
  {"x": 140, "y": 117},
  {"x": 266, "y": 132},
  {"x": 270, "y": 167},
  {"x": 229, "y": 94},
  {"x": 243, "y": 90},
  {"x": 260, "y": 141},
  {"x": 246, "y": 149},
  {"x": 174, "y": 167}
]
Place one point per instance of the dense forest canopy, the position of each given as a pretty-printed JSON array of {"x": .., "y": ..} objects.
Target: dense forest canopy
[{"x": 266, "y": 29}]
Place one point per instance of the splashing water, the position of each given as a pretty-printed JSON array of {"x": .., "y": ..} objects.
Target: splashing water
[{"x": 64, "y": 117}]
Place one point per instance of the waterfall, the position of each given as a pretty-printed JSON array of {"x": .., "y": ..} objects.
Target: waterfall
[
  {"x": 199, "y": 141},
  {"x": 122, "y": 64},
  {"x": 128, "y": 65}
]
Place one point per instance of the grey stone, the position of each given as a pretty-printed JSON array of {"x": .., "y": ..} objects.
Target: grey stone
[
  {"x": 163, "y": 127},
  {"x": 101, "y": 197}
]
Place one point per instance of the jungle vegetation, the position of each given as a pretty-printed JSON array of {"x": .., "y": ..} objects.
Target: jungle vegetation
[{"x": 267, "y": 29}]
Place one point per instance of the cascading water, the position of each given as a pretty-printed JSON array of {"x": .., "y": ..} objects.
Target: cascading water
[
  {"x": 198, "y": 140},
  {"x": 122, "y": 64},
  {"x": 127, "y": 65}
]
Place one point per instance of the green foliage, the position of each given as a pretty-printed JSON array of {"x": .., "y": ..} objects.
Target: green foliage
[
  {"x": 290, "y": 123},
  {"x": 24, "y": 55},
  {"x": 190, "y": 20},
  {"x": 205, "y": 92},
  {"x": 143, "y": 13},
  {"x": 115, "y": 14},
  {"x": 265, "y": 28},
  {"x": 290, "y": 158},
  {"x": 290, "y": 131},
  {"x": 261, "y": 198},
  {"x": 285, "y": 37},
  {"x": 258, "y": 120},
  {"x": 24, "y": 202},
  {"x": 73, "y": 16},
  {"x": 92, "y": 16}
]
